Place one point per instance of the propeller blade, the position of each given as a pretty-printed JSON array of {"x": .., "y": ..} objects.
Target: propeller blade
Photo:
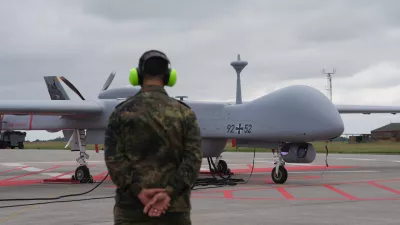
[
  {"x": 108, "y": 81},
  {"x": 70, "y": 85}
]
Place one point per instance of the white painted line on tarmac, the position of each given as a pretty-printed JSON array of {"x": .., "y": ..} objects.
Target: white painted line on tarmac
[
  {"x": 264, "y": 161},
  {"x": 377, "y": 160},
  {"x": 265, "y": 158},
  {"x": 31, "y": 169},
  {"x": 11, "y": 164},
  {"x": 52, "y": 174},
  {"x": 359, "y": 159},
  {"x": 302, "y": 164}
]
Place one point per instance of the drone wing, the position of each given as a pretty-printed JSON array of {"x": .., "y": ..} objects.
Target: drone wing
[
  {"x": 367, "y": 109},
  {"x": 49, "y": 107}
]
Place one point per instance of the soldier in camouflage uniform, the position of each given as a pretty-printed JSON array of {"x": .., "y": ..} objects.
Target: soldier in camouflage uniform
[{"x": 153, "y": 151}]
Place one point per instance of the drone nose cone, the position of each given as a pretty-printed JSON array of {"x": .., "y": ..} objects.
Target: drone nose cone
[
  {"x": 301, "y": 113},
  {"x": 316, "y": 114},
  {"x": 327, "y": 121}
]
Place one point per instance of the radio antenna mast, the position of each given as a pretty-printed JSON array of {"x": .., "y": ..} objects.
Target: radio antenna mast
[{"x": 329, "y": 80}]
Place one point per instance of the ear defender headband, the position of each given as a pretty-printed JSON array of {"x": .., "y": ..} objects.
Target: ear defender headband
[{"x": 136, "y": 74}]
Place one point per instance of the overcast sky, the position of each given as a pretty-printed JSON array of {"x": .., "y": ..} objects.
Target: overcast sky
[{"x": 285, "y": 43}]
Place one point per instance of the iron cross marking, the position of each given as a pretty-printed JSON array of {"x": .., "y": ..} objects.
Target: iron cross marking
[{"x": 239, "y": 128}]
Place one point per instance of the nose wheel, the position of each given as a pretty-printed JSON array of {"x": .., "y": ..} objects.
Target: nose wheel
[
  {"x": 279, "y": 177},
  {"x": 82, "y": 174}
]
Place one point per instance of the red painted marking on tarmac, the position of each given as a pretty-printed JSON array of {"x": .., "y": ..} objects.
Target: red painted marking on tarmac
[
  {"x": 73, "y": 171},
  {"x": 317, "y": 199},
  {"x": 384, "y": 187},
  {"x": 377, "y": 199},
  {"x": 269, "y": 180},
  {"x": 389, "y": 181},
  {"x": 18, "y": 168},
  {"x": 198, "y": 196},
  {"x": 348, "y": 196},
  {"x": 288, "y": 168},
  {"x": 256, "y": 199},
  {"x": 363, "y": 181},
  {"x": 224, "y": 194},
  {"x": 295, "y": 186},
  {"x": 284, "y": 193},
  {"x": 101, "y": 176},
  {"x": 294, "y": 199},
  {"x": 61, "y": 180},
  {"x": 228, "y": 194},
  {"x": 28, "y": 174},
  {"x": 18, "y": 182},
  {"x": 310, "y": 177},
  {"x": 63, "y": 174}
]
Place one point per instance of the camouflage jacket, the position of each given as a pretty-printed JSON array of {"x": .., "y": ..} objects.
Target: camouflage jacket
[{"x": 153, "y": 141}]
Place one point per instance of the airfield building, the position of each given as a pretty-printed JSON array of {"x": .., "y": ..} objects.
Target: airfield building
[{"x": 389, "y": 132}]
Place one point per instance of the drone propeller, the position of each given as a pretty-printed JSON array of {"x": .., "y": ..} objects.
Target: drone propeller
[
  {"x": 108, "y": 81},
  {"x": 73, "y": 88},
  {"x": 70, "y": 85}
]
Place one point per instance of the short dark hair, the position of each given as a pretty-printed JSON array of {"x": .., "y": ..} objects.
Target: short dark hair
[{"x": 155, "y": 66}]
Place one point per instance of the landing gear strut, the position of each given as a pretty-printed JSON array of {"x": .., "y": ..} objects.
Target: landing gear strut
[
  {"x": 82, "y": 173},
  {"x": 279, "y": 173}
]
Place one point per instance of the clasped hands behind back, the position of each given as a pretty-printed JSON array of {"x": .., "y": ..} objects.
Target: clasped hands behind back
[{"x": 156, "y": 201}]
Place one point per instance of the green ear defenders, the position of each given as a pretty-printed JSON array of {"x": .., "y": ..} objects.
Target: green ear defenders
[{"x": 136, "y": 74}]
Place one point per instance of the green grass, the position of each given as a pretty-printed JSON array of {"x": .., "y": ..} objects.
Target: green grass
[
  {"x": 343, "y": 147},
  {"x": 334, "y": 147},
  {"x": 54, "y": 146}
]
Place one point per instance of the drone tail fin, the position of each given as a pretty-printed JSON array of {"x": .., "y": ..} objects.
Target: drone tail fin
[{"x": 55, "y": 89}]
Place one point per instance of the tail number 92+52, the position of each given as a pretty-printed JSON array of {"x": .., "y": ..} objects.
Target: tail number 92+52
[{"x": 239, "y": 129}]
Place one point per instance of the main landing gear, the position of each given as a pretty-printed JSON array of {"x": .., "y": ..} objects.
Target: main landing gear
[
  {"x": 279, "y": 173},
  {"x": 222, "y": 166},
  {"x": 82, "y": 173}
]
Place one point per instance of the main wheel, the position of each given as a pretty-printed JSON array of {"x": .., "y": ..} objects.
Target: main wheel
[
  {"x": 222, "y": 167},
  {"x": 82, "y": 174},
  {"x": 281, "y": 177}
]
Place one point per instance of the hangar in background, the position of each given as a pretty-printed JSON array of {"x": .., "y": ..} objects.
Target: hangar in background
[{"x": 389, "y": 132}]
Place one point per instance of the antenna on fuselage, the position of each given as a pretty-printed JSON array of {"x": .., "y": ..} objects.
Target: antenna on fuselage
[
  {"x": 238, "y": 65},
  {"x": 181, "y": 97},
  {"x": 329, "y": 81}
]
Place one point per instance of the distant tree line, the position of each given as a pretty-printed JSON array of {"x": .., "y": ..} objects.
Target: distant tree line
[
  {"x": 341, "y": 139},
  {"x": 58, "y": 139}
]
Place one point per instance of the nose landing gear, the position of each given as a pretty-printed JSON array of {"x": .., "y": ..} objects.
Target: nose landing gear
[
  {"x": 279, "y": 173},
  {"x": 82, "y": 174}
]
